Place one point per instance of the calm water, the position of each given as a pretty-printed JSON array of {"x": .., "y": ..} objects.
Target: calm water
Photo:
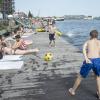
[{"x": 77, "y": 31}]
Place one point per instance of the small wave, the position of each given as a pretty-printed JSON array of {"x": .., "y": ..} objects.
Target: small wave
[{"x": 69, "y": 34}]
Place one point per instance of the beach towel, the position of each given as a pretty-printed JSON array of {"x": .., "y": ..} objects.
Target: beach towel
[{"x": 11, "y": 62}]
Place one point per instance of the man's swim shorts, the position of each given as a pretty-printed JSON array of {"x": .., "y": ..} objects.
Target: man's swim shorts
[{"x": 86, "y": 67}]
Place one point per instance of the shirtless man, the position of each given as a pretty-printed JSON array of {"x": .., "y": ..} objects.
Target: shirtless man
[{"x": 91, "y": 51}]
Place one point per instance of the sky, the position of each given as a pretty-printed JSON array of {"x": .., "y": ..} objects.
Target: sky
[{"x": 59, "y": 7}]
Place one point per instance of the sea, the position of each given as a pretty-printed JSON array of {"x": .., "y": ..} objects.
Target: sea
[{"x": 77, "y": 31}]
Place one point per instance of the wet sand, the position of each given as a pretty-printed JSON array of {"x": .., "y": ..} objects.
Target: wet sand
[{"x": 39, "y": 80}]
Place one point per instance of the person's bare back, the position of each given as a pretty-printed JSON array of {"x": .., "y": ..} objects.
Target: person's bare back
[
  {"x": 91, "y": 52},
  {"x": 93, "y": 48}
]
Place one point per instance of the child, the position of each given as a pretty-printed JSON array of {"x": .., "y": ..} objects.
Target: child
[
  {"x": 21, "y": 43},
  {"x": 8, "y": 50},
  {"x": 91, "y": 51},
  {"x": 51, "y": 35}
]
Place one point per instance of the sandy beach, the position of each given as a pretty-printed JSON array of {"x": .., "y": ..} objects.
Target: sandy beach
[{"x": 39, "y": 80}]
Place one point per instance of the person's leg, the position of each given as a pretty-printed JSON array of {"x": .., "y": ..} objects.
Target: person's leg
[
  {"x": 51, "y": 38},
  {"x": 86, "y": 67},
  {"x": 23, "y": 52},
  {"x": 54, "y": 42},
  {"x": 28, "y": 42},
  {"x": 76, "y": 85},
  {"x": 98, "y": 86},
  {"x": 96, "y": 70},
  {"x": 7, "y": 50},
  {"x": 50, "y": 42}
]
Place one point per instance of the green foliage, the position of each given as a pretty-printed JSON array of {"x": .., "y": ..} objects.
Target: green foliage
[
  {"x": 0, "y": 1},
  {"x": 10, "y": 7},
  {"x": 3, "y": 25}
]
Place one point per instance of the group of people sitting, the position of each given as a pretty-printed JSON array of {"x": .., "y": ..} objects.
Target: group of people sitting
[{"x": 19, "y": 47}]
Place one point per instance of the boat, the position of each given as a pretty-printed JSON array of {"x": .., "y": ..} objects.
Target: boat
[
  {"x": 40, "y": 30},
  {"x": 59, "y": 19}
]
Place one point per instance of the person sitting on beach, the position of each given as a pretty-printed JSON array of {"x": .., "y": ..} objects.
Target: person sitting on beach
[
  {"x": 2, "y": 42},
  {"x": 8, "y": 50},
  {"x": 1, "y": 47},
  {"x": 21, "y": 43},
  {"x": 91, "y": 51},
  {"x": 20, "y": 30},
  {"x": 51, "y": 35}
]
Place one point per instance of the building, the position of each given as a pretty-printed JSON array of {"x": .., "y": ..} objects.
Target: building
[
  {"x": 7, "y": 7},
  {"x": 89, "y": 17},
  {"x": 75, "y": 17}
]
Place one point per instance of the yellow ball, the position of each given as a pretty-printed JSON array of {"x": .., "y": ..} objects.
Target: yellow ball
[
  {"x": 58, "y": 33},
  {"x": 48, "y": 56}
]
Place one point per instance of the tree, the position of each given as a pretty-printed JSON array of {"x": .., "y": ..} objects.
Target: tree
[
  {"x": 6, "y": 10},
  {"x": 30, "y": 15},
  {"x": 0, "y": 1},
  {"x": 0, "y": 5}
]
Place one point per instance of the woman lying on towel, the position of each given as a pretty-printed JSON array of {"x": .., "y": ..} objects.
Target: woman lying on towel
[{"x": 12, "y": 51}]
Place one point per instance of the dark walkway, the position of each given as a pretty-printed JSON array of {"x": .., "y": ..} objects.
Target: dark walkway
[{"x": 56, "y": 88}]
